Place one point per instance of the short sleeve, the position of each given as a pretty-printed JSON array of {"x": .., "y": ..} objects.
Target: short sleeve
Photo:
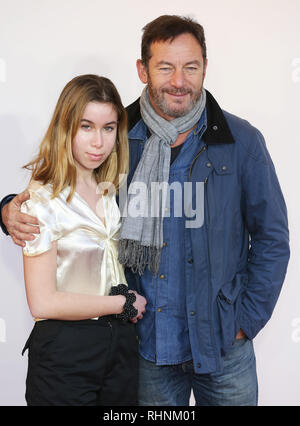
[{"x": 41, "y": 206}]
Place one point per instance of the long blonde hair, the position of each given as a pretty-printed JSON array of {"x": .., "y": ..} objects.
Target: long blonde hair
[{"x": 55, "y": 163}]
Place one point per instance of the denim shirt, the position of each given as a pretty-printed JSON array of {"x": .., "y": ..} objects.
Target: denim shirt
[{"x": 163, "y": 332}]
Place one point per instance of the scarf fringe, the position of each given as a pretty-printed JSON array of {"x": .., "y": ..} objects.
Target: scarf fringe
[{"x": 134, "y": 255}]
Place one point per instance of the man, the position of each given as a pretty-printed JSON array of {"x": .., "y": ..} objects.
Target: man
[{"x": 210, "y": 288}]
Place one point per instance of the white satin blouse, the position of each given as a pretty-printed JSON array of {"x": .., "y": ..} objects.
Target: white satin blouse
[{"x": 87, "y": 249}]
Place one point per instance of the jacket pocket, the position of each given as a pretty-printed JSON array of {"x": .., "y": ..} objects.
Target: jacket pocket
[{"x": 228, "y": 307}]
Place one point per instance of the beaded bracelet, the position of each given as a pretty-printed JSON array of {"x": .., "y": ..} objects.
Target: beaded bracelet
[{"x": 129, "y": 310}]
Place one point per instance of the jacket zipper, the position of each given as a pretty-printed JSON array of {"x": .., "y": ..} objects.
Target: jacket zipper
[
  {"x": 207, "y": 244},
  {"x": 193, "y": 162},
  {"x": 209, "y": 264}
]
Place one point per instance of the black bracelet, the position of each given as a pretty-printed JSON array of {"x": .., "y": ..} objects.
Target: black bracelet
[{"x": 129, "y": 310}]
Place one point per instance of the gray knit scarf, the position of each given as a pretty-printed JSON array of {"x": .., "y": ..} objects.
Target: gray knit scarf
[{"x": 141, "y": 237}]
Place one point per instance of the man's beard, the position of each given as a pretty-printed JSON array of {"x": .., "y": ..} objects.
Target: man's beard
[{"x": 158, "y": 98}]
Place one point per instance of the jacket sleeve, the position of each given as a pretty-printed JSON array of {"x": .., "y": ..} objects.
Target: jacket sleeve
[
  {"x": 4, "y": 201},
  {"x": 265, "y": 215}
]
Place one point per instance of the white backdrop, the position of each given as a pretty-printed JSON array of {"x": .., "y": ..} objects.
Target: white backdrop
[{"x": 253, "y": 71}]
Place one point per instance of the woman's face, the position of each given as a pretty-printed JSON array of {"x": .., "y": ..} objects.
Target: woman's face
[{"x": 96, "y": 136}]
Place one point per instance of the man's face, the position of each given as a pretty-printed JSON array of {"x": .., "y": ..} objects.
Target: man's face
[{"x": 175, "y": 75}]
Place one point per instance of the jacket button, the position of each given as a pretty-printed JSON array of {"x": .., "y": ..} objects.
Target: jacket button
[
  {"x": 164, "y": 244},
  {"x": 162, "y": 276},
  {"x": 192, "y": 313},
  {"x": 215, "y": 128},
  {"x": 191, "y": 261},
  {"x": 159, "y": 310},
  {"x": 208, "y": 164},
  {"x": 198, "y": 365},
  {"x": 224, "y": 168}
]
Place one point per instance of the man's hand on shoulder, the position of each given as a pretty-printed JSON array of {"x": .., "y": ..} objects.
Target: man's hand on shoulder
[{"x": 20, "y": 226}]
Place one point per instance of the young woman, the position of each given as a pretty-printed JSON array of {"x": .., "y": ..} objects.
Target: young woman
[{"x": 83, "y": 347}]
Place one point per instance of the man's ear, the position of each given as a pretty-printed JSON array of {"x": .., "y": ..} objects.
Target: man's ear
[
  {"x": 205, "y": 68},
  {"x": 142, "y": 72}
]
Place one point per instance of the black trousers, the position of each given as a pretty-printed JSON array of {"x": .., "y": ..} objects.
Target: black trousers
[{"x": 89, "y": 362}]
